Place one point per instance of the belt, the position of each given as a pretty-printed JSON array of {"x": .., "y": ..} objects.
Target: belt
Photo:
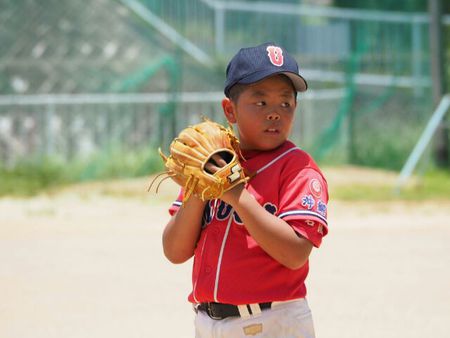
[{"x": 221, "y": 311}]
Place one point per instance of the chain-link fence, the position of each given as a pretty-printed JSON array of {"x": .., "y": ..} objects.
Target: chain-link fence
[
  {"x": 79, "y": 126},
  {"x": 377, "y": 63}
]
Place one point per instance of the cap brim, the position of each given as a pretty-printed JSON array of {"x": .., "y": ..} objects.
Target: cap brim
[{"x": 298, "y": 81}]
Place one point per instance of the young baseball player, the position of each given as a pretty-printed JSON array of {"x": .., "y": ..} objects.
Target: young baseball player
[{"x": 251, "y": 247}]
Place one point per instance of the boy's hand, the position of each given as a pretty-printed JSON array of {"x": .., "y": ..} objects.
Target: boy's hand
[
  {"x": 215, "y": 163},
  {"x": 204, "y": 160}
]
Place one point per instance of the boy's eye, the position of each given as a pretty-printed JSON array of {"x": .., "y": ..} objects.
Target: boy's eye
[
  {"x": 260, "y": 103},
  {"x": 285, "y": 104}
]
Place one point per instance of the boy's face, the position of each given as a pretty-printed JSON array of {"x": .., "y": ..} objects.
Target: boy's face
[{"x": 264, "y": 113}]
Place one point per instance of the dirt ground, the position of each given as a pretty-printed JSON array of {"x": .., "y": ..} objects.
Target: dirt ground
[{"x": 87, "y": 262}]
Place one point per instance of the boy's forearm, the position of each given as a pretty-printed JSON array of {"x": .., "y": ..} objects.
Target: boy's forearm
[
  {"x": 182, "y": 231},
  {"x": 273, "y": 234}
]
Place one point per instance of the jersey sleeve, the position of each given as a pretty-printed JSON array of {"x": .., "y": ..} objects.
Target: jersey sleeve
[
  {"x": 176, "y": 204},
  {"x": 303, "y": 204}
]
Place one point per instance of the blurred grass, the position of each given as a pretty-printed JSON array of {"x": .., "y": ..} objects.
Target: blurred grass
[
  {"x": 432, "y": 185},
  {"x": 30, "y": 177}
]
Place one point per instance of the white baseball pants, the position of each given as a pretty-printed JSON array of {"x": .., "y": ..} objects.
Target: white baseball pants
[{"x": 291, "y": 319}]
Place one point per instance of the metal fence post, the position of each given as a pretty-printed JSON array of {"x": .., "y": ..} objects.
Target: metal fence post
[
  {"x": 417, "y": 55},
  {"x": 49, "y": 146}
]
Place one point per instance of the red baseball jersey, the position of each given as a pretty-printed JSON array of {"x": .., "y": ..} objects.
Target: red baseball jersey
[{"x": 229, "y": 266}]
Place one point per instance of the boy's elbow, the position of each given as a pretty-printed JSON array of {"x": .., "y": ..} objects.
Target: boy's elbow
[
  {"x": 297, "y": 258},
  {"x": 176, "y": 253},
  {"x": 176, "y": 258},
  {"x": 295, "y": 263}
]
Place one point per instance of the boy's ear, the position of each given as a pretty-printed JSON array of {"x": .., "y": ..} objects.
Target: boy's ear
[{"x": 228, "y": 110}]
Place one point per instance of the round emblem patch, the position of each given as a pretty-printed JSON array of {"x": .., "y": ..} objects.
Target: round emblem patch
[{"x": 315, "y": 187}]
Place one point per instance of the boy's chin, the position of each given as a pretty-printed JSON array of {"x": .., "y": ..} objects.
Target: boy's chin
[{"x": 267, "y": 146}]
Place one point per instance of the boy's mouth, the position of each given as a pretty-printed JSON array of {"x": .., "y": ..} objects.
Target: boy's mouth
[{"x": 271, "y": 130}]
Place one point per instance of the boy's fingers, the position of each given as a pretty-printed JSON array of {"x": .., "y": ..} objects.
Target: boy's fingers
[
  {"x": 219, "y": 160},
  {"x": 215, "y": 163},
  {"x": 211, "y": 168}
]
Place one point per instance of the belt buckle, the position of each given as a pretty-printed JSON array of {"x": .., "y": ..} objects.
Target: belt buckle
[{"x": 211, "y": 312}]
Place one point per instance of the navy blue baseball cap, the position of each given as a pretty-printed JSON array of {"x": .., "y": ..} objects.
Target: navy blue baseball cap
[{"x": 253, "y": 64}]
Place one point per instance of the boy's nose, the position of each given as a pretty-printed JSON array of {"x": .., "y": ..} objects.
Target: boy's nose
[{"x": 273, "y": 116}]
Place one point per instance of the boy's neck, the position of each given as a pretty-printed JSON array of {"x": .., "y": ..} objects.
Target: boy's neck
[{"x": 248, "y": 154}]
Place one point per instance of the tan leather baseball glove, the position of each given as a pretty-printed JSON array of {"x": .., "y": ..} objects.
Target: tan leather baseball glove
[{"x": 195, "y": 151}]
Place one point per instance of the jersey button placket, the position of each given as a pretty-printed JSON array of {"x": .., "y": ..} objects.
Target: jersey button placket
[{"x": 215, "y": 230}]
